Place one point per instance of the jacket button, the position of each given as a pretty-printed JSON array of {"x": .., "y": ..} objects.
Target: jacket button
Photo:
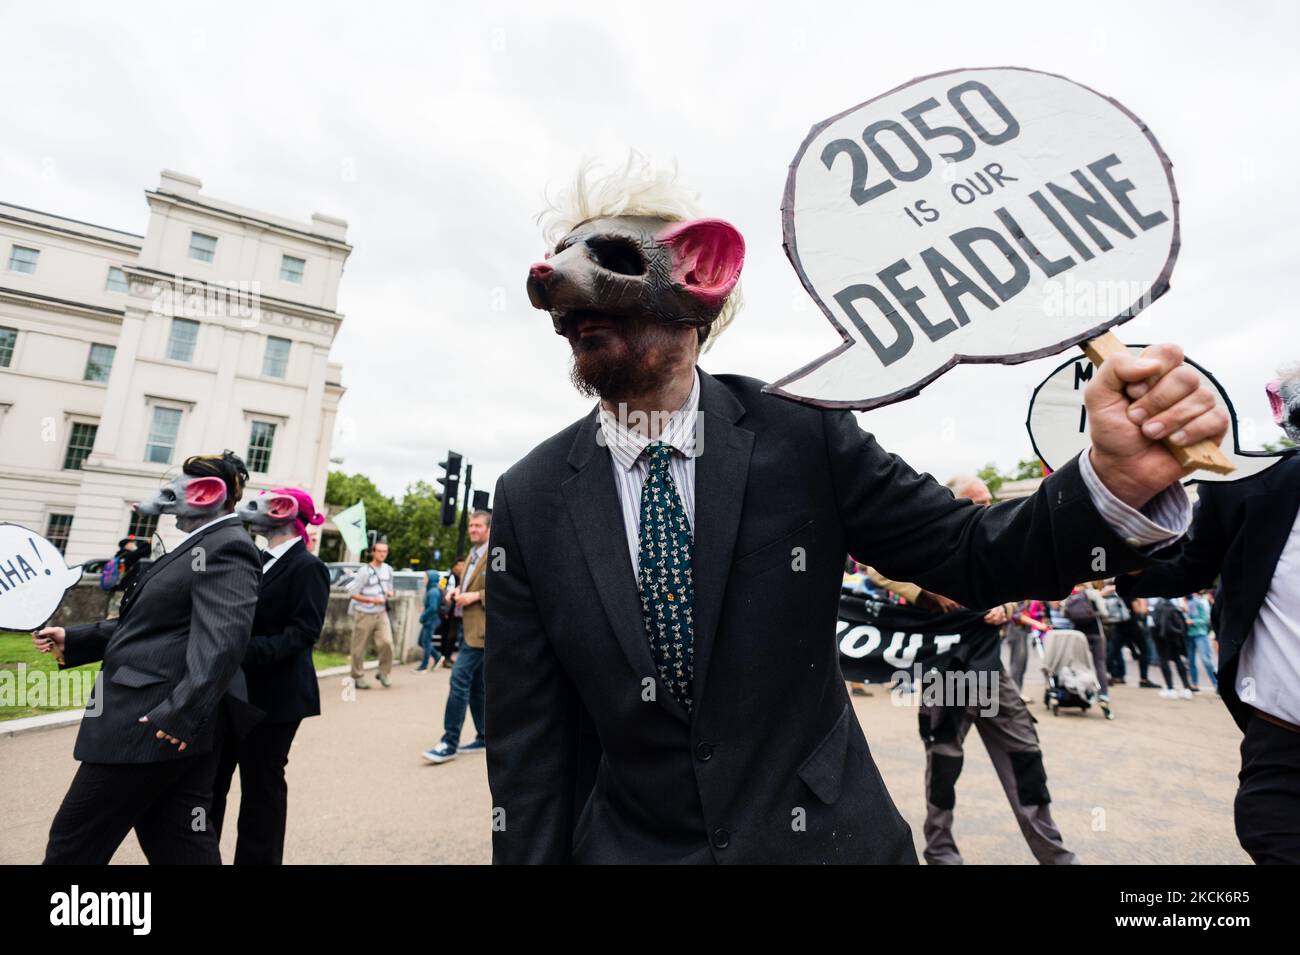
[
  {"x": 704, "y": 752},
  {"x": 721, "y": 838}
]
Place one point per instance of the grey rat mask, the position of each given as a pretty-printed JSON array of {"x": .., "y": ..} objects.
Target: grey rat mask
[{"x": 678, "y": 273}]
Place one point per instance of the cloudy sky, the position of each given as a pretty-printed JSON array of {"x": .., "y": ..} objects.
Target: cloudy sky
[{"x": 435, "y": 130}]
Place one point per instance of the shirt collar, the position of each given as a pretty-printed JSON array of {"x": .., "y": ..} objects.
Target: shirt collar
[
  {"x": 203, "y": 527},
  {"x": 279, "y": 549},
  {"x": 679, "y": 432}
]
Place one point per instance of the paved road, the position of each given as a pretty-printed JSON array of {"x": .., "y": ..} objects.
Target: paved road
[{"x": 1155, "y": 785}]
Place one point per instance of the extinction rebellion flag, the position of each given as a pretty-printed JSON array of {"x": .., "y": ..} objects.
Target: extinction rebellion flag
[{"x": 882, "y": 642}]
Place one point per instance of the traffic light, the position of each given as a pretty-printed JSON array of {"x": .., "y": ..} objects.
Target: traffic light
[
  {"x": 481, "y": 499},
  {"x": 450, "y": 482}
]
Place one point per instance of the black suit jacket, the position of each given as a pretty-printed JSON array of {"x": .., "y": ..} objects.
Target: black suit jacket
[
  {"x": 1239, "y": 531},
  {"x": 290, "y": 615},
  {"x": 591, "y": 760},
  {"x": 173, "y": 653}
]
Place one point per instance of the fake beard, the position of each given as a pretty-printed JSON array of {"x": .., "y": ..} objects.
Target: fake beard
[{"x": 624, "y": 359}]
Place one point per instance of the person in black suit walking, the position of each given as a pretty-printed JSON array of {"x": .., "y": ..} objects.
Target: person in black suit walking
[
  {"x": 1247, "y": 533},
  {"x": 663, "y": 681},
  {"x": 170, "y": 687},
  {"x": 280, "y": 672}
]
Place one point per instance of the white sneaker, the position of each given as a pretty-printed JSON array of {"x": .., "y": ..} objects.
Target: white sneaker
[
  {"x": 1168, "y": 694},
  {"x": 1185, "y": 694}
]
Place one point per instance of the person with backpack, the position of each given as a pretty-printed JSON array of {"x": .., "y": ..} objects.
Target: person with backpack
[
  {"x": 121, "y": 570},
  {"x": 1085, "y": 609},
  {"x": 1169, "y": 632}
]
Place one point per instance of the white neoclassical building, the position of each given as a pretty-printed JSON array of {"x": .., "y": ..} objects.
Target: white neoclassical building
[{"x": 122, "y": 354}]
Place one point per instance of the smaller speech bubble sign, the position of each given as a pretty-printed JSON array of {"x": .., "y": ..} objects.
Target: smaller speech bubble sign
[
  {"x": 33, "y": 578},
  {"x": 1058, "y": 424}
]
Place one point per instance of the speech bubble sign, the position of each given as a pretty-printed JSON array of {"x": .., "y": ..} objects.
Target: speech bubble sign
[
  {"x": 1058, "y": 423},
  {"x": 978, "y": 215},
  {"x": 33, "y": 578}
]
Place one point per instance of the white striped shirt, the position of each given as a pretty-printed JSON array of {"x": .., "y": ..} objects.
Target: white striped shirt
[
  {"x": 631, "y": 467},
  {"x": 1165, "y": 518}
]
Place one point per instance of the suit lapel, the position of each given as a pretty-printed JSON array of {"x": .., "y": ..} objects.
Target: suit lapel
[
  {"x": 160, "y": 564},
  {"x": 289, "y": 557},
  {"x": 1270, "y": 515},
  {"x": 721, "y": 472},
  {"x": 597, "y": 516}
]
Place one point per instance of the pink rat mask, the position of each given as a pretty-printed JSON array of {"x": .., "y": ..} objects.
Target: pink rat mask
[
  {"x": 267, "y": 511},
  {"x": 613, "y": 268}
]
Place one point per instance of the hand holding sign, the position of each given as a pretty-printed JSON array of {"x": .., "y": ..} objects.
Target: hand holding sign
[
  {"x": 33, "y": 578},
  {"x": 1135, "y": 404},
  {"x": 985, "y": 215}
]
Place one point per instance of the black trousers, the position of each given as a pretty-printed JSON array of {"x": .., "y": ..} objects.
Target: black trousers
[
  {"x": 1267, "y": 809},
  {"x": 168, "y": 804},
  {"x": 264, "y": 795}
]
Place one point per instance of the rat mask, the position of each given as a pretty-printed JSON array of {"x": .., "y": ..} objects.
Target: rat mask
[
  {"x": 1284, "y": 399},
  {"x": 187, "y": 496},
  {"x": 267, "y": 511},
  {"x": 279, "y": 507},
  {"x": 612, "y": 268}
]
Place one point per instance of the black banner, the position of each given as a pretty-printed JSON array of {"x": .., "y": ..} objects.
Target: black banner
[{"x": 879, "y": 640}]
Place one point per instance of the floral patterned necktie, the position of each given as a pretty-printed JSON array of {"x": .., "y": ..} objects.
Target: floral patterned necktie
[{"x": 664, "y": 574}]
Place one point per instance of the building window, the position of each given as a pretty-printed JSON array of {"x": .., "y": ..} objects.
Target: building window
[
  {"x": 291, "y": 269},
  {"x": 57, "y": 531},
  {"x": 100, "y": 362},
  {"x": 203, "y": 248},
  {"x": 164, "y": 428},
  {"x": 117, "y": 280},
  {"x": 142, "y": 526},
  {"x": 259, "y": 447},
  {"x": 184, "y": 335},
  {"x": 80, "y": 443},
  {"x": 23, "y": 259},
  {"x": 276, "y": 361},
  {"x": 8, "y": 338}
]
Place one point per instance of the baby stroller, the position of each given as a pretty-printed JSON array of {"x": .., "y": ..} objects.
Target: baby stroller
[{"x": 1067, "y": 667}]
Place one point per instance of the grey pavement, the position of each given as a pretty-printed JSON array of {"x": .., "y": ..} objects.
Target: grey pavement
[{"x": 1153, "y": 786}]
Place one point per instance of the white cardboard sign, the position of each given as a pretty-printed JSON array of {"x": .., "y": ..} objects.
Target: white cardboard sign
[
  {"x": 33, "y": 578},
  {"x": 977, "y": 215},
  {"x": 1058, "y": 423}
]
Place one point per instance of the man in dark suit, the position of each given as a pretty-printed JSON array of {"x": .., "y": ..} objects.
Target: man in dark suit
[
  {"x": 662, "y": 679},
  {"x": 170, "y": 685},
  {"x": 281, "y": 675},
  {"x": 1246, "y": 532}
]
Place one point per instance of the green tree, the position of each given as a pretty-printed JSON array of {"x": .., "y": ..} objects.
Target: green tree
[
  {"x": 1025, "y": 469},
  {"x": 411, "y": 526}
]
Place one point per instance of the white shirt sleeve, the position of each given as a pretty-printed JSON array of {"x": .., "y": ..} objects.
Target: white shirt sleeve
[{"x": 1163, "y": 520}]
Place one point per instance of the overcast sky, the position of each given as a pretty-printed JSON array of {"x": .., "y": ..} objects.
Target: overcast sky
[{"x": 434, "y": 130}]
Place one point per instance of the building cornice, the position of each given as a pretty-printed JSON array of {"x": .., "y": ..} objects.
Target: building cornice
[
  {"x": 49, "y": 302},
  {"x": 230, "y": 215},
  {"x": 297, "y": 309},
  {"x": 124, "y": 243}
]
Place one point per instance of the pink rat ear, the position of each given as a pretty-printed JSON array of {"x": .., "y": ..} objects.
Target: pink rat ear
[
  {"x": 707, "y": 257},
  {"x": 281, "y": 507},
  {"x": 205, "y": 492}
]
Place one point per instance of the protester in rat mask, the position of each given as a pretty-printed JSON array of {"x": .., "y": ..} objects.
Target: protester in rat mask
[
  {"x": 278, "y": 665},
  {"x": 171, "y": 688},
  {"x": 1247, "y": 533},
  {"x": 656, "y": 556}
]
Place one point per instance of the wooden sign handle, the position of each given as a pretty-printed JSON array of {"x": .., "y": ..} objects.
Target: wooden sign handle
[{"x": 1203, "y": 454}]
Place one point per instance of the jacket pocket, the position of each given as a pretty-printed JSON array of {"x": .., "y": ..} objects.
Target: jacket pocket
[
  {"x": 130, "y": 676},
  {"x": 779, "y": 551},
  {"x": 823, "y": 771}
]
